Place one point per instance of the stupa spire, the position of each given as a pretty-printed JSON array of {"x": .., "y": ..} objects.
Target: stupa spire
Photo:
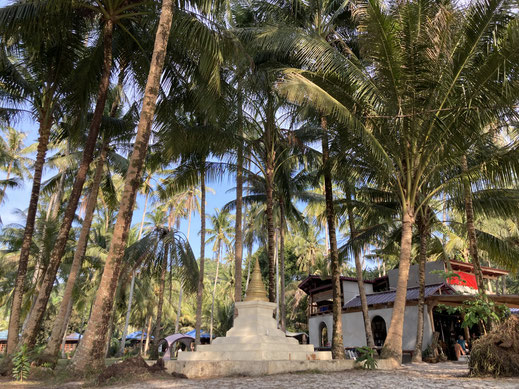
[{"x": 256, "y": 290}]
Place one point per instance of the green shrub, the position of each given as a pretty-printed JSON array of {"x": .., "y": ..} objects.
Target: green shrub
[
  {"x": 366, "y": 359},
  {"x": 21, "y": 364}
]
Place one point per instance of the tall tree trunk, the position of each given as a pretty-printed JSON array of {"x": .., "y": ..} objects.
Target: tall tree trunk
[
  {"x": 238, "y": 239},
  {"x": 89, "y": 355},
  {"x": 148, "y": 335},
  {"x": 128, "y": 314},
  {"x": 423, "y": 231},
  {"x": 160, "y": 304},
  {"x": 269, "y": 178},
  {"x": 360, "y": 278},
  {"x": 52, "y": 348},
  {"x": 132, "y": 284},
  {"x": 16, "y": 307},
  {"x": 33, "y": 325},
  {"x": 181, "y": 289},
  {"x": 214, "y": 291},
  {"x": 249, "y": 259},
  {"x": 65, "y": 326},
  {"x": 393, "y": 345},
  {"x": 471, "y": 230},
  {"x": 282, "y": 304},
  {"x": 200, "y": 290},
  {"x": 337, "y": 341}
]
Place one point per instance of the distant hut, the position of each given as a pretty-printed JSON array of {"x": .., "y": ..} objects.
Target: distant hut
[
  {"x": 3, "y": 341},
  {"x": 71, "y": 342}
]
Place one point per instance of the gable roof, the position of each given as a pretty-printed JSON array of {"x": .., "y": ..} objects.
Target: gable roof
[{"x": 389, "y": 296}]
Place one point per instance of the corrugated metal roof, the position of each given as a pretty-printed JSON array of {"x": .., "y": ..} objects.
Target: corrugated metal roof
[{"x": 389, "y": 297}]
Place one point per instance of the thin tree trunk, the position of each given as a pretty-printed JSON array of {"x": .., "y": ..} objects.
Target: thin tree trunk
[
  {"x": 128, "y": 313},
  {"x": 148, "y": 335},
  {"x": 214, "y": 292},
  {"x": 269, "y": 178},
  {"x": 181, "y": 289},
  {"x": 337, "y": 341},
  {"x": 423, "y": 230},
  {"x": 282, "y": 305},
  {"x": 238, "y": 239},
  {"x": 52, "y": 348},
  {"x": 276, "y": 261},
  {"x": 16, "y": 307},
  {"x": 200, "y": 291},
  {"x": 471, "y": 230},
  {"x": 360, "y": 278},
  {"x": 33, "y": 325},
  {"x": 249, "y": 259},
  {"x": 132, "y": 284},
  {"x": 65, "y": 326},
  {"x": 393, "y": 345},
  {"x": 158, "y": 322},
  {"x": 89, "y": 355}
]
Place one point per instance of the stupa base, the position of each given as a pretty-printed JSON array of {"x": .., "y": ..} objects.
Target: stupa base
[{"x": 209, "y": 369}]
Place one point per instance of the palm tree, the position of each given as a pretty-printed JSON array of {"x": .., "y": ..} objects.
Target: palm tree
[
  {"x": 34, "y": 76},
  {"x": 219, "y": 234},
  {"x": 16, "y": 161},
  {"x": 112, "y": 12},
  {"x": 379, "y": 104},
  {"x": 88, "y": 354}
]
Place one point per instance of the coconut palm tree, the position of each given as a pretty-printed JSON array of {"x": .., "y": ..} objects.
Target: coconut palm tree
[
  {"x": 219, "y": 234},
  {"x": 383, "y": 105},
  {"x": 15, "y": 154}
]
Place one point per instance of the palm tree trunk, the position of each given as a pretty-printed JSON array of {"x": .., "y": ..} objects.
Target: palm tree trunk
[
  {"x": 128, "y": 313},
  {"x": 269, "y": 178},
  {"x": 393, "y": 345},
  {"x": 214, "y": 291},
  {"x": 65, "y": 326},
  {"x": 33, "y": 325},
  {"x": 249, "y": 259},
  {"x": 89, "y": 355},
  {"x": 471, "y": 230},
  {"x": 282, "y": 304},
  {"x": 16, "y": 307},
  {"x": 181, "y": 288},
  {"x": 337, "y": 342},
  {"x": 238, "y": 245},
  {"x": 132, "y": 285},
  {"x": 200, "y": 291},
  {"x": 160, "y": 304},
  {"x": 52, "y": 348},
  {"x": 423, "y": 230},
  {"x": 148, "y": 335},
  {"x": 360, "y": 278}
]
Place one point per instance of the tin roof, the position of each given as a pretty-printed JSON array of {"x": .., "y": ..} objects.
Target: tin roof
[{"x": 389, "y": 296}]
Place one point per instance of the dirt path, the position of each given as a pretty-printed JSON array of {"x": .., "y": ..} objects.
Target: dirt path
[
  {"x": 417, "y": 376},
  {"x": 444, "y": 375}
]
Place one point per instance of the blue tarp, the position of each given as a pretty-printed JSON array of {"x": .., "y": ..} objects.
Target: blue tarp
[
  {"x": 136, "y": 336},
  {"x": 203, "y": 334},
  {"x": 3, "y": 335}
]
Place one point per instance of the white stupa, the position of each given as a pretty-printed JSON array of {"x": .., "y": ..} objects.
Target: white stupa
[{"x": 255, "y": 336}]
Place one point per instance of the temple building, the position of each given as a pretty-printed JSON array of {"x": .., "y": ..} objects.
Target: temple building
[{"x": 381, "y": 292}]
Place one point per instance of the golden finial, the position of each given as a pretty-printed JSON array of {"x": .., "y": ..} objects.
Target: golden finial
[{"x": 256, "y": 290}]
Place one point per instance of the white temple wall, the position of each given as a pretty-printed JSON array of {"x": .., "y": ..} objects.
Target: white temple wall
[{"x": 353, "y": 327}]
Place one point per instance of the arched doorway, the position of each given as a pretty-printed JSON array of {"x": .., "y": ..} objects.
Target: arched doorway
[
  {"x": 378, "y": 328},
  {"x": 323, "y": 335}
]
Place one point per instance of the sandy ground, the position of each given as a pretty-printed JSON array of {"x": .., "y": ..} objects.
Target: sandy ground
[{"x": 416, "y": 376}]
